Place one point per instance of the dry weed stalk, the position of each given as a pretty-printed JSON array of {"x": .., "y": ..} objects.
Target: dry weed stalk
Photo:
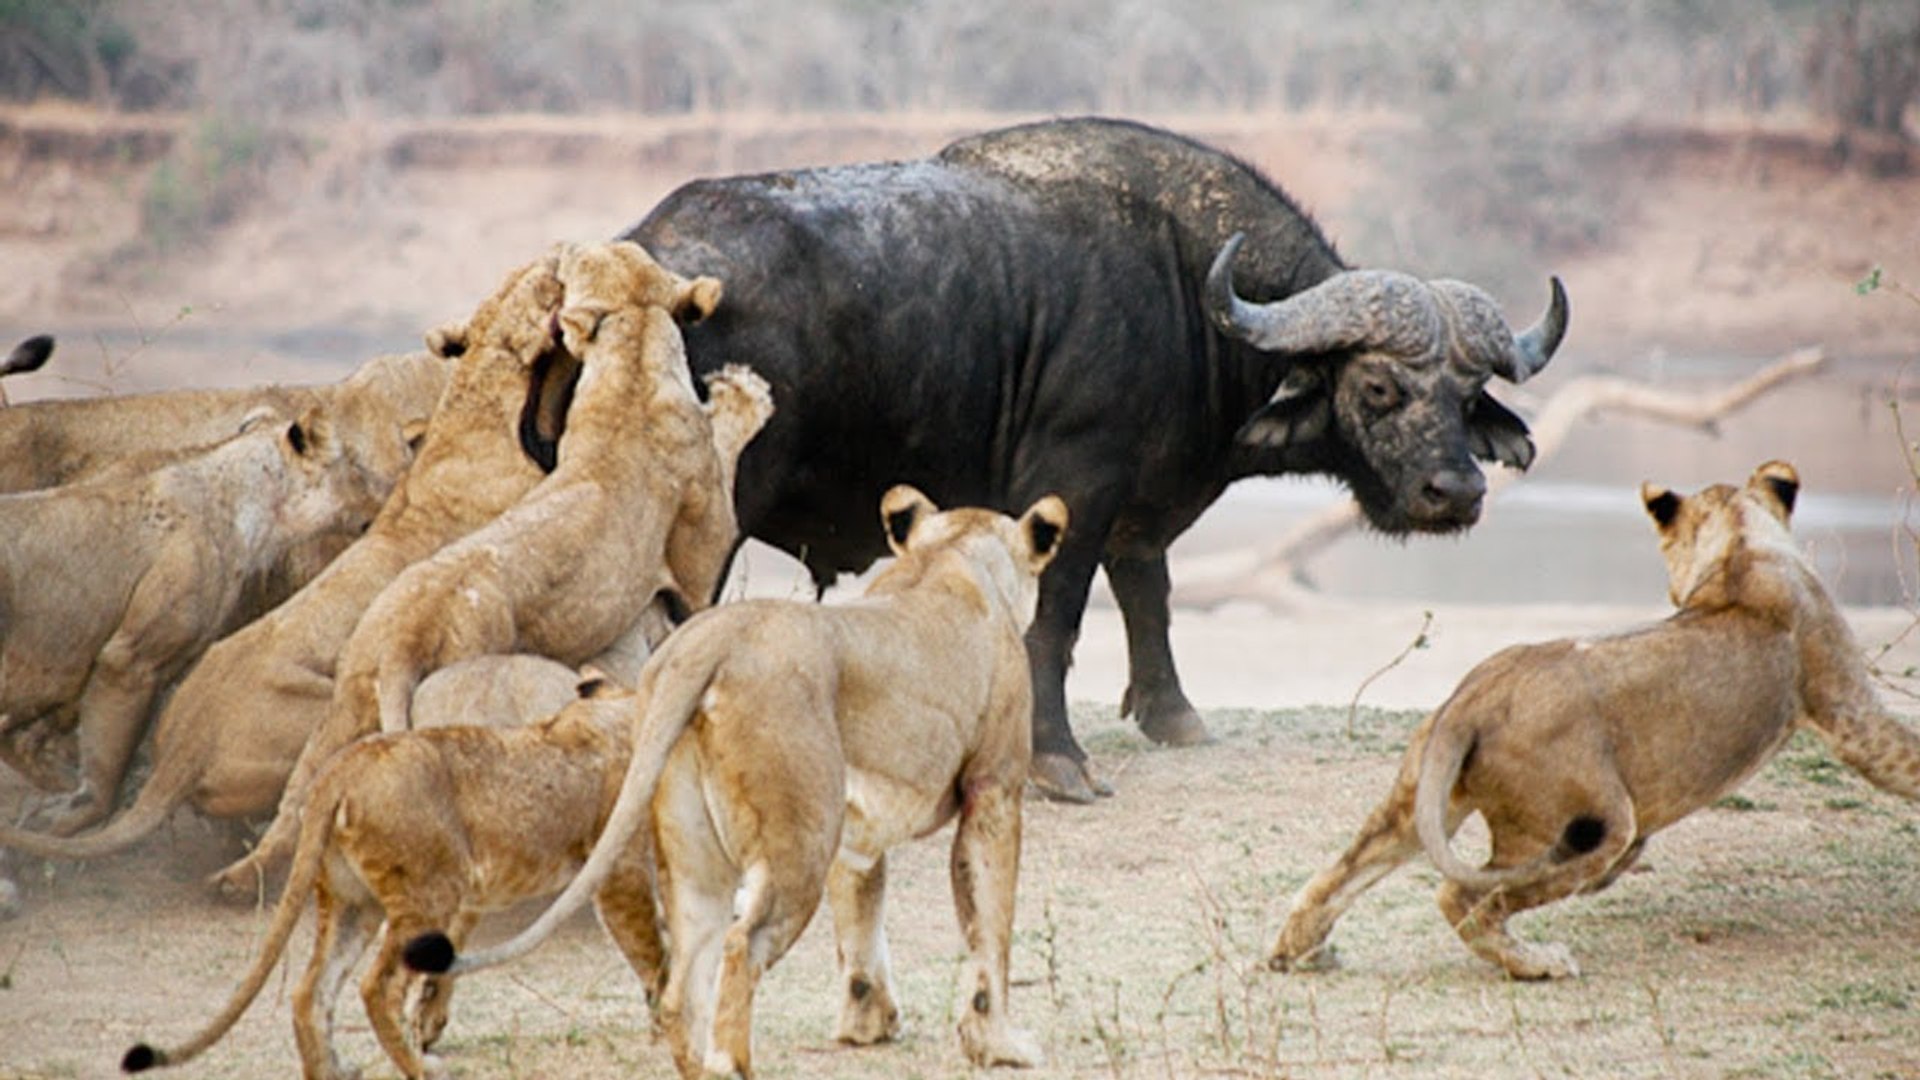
[{"x": 1419, "y": 642}]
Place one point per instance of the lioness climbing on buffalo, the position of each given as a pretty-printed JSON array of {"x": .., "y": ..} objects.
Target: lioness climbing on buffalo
[
  {"x": 782, "y": 748},
  {"x": 432, "y": 828},
  {"x": 636, "y": 511},
  {"x": 1576, "y": 751}
]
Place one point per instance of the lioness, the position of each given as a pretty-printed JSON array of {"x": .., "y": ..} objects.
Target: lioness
[
  {"x": 1576, "y": 751},
  {"x": 110, "y": 589},
  {"x": 233, "y": 763},
  {"x": 230, "y": 734},
  {"x": 781, "y": 748},
  {"x": 635, "y": 509},
  {"x": 378, "y": 412},
  {"x": 434, "y": 828}
]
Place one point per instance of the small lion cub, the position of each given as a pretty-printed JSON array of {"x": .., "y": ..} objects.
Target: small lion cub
[{"x": 1575, "y": 751}]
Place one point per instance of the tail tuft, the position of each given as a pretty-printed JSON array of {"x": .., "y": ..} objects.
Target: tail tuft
[
  {"x": 430, "y": 953},
  {"x": 141, "y": 1058},
  {"x": 1584, "y": 834}
]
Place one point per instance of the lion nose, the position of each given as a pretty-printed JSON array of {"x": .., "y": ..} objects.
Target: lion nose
[{"x": 1454, "y": 492}]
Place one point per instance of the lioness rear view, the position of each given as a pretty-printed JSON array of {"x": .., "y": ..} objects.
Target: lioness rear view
[
  {"x": 1576, "y": 751},
  {"x": 782, "y": 748},
  {"x": 429, "y": 828}
]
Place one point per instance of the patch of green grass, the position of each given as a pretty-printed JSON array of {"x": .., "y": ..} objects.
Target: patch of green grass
[{"x": 1867, "y": 995}]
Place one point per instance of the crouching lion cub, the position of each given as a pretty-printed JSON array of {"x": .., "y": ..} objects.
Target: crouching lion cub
[
  {"x": 434, "y": 828},
  {"x": 1576, "y": 751},
  {"x": 781, "y": 748}
]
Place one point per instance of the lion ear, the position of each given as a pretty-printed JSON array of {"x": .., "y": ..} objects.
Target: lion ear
[
  {"x": 696, "y": 299},
  {"x": 902, "y": 508},
  {"x": 447, "y": 341},
  {"x": 310, "y": 434},
  {"x": 1780, "y": 480},
  {"x": 1661, "y": 503},
  {"x": 1044, "y": 524}
]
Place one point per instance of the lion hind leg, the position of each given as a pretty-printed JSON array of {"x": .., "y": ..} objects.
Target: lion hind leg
[
  {"x": 627, "y": 913},
  {"x": 240, "y": 881},
  {"x": 1583, "y": 859},
  {"x": 432, "y": 1005},
  {"x": 1384, "y": 842},
  {"x": 383, "y": 992},
  {"x": 342, "y": 932},
  {"x": 985, "y": 867},
  {"x": 777, "y": 906},
  {"x": 858, "y": 898}
]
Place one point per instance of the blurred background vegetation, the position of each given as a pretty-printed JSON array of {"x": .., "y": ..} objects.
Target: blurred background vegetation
[
  {"x": 1501, "y": 101},
  {"x": 1855, "y": 62}
]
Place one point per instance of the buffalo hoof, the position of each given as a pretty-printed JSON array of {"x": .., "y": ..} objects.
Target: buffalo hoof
[
  {"x": 1180, "y": 728},
  {"x": 1064, "y": 779}
]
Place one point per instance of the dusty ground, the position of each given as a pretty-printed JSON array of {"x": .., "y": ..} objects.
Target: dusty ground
[{"x": 1773, "y": 936}]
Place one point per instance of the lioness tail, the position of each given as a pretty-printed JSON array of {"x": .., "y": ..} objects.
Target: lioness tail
[{"x": 315, "y": 832}]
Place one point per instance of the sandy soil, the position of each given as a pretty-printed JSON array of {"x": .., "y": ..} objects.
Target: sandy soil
[{"x": 1769, "y": 937}]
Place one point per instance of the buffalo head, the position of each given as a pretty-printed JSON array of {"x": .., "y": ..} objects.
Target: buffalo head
[{"x": 1387, "y": 387}]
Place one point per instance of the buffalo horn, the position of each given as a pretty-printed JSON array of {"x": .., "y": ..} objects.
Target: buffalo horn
[
  {"x": 1354, "y": 308},
  {"x": 1535, "y": 345}
]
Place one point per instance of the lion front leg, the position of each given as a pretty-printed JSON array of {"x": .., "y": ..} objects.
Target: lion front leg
[
  {"x": 858, "y": 898},
  {"x": 985, "y": 871}
]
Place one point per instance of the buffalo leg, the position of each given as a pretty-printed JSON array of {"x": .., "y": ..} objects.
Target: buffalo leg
[
  {"x": 1059, "y": 768},
  {"x": 1153, "y": 696}
]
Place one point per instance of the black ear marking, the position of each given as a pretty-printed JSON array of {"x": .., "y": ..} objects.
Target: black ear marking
[
  {"x": 1663, "y": 506},
  {"x": 591, "y": 688},
  {"x": 297, "y": 438},
  {"x": 1785, "y": 490},
  {"x": 675, "y": 605},
  {"x": 1042, "y": 534},
  {"x": 900, "y": 525}
]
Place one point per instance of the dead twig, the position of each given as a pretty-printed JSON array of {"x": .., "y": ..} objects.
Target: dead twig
[{"x": 1419, "y": 642}]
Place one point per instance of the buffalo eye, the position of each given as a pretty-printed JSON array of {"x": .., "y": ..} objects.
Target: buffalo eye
[{"x": 1379, "y": 393}]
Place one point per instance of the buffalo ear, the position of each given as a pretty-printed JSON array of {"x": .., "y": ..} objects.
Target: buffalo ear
[
  {"x": 1298, "y": 413},
  {"x": 902, "y": 508},
  {"x": 1494, "y": 433},
  {"x": 1661, "y": 503}
]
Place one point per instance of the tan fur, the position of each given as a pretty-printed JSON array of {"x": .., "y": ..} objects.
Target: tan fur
[
  {"x": 495, "y": 691},
  {"x": 110, "y": 589},
  {"x": 634, "y": 508},
  {"x": 1576, "y": 751},
  {"x": 237, "y": 722},
  {"x": 434, "y": 828},
  {"x": 782, "y": 748},
  {"x": 375, "y": 411}
]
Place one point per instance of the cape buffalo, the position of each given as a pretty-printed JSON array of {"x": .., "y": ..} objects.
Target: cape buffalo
[{"x": 1030, "y": 311}]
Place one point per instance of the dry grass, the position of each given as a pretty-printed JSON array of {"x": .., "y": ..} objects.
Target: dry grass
[{"x": 1769, "y": 937}]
